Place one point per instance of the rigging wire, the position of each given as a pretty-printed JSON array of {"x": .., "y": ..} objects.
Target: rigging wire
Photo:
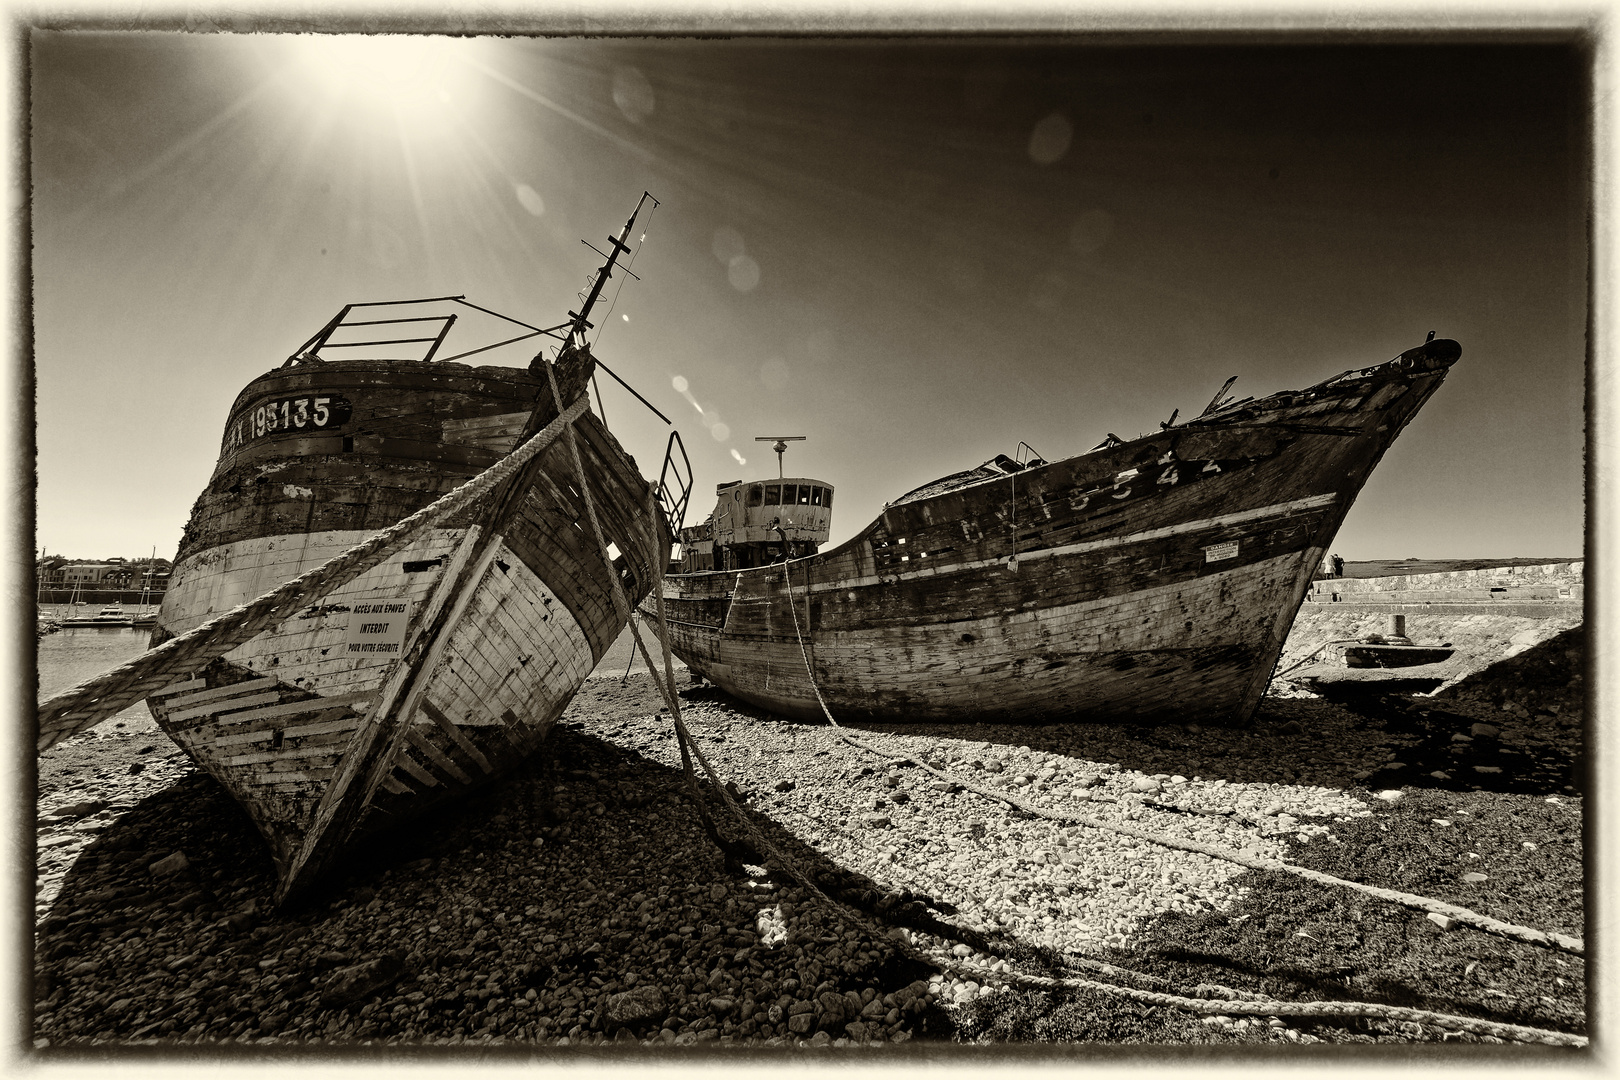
[
  {"x": 640, "y": 241},
  {"x": 590, "y": 279}
]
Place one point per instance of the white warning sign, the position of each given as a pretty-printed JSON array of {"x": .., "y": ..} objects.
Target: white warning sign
[
  {"x": 378, "y": 628},
  {"x": 1217, "y": 552}
]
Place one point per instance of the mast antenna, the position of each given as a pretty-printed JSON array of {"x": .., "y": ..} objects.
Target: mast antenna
[
  {"x": 780, "y": 447},
  {"x": 580, "y": 320}
]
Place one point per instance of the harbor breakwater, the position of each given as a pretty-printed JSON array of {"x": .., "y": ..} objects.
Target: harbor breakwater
[{"x": 1486, "y": 615}]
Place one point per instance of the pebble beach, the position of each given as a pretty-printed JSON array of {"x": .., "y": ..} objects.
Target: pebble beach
[{"x": 583, "y": 904}]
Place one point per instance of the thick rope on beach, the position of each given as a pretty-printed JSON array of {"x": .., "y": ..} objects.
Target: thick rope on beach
[
  {"x": 1258, "y": 1006},
  {"x": 71, "y": 711},
  {"x": 1225, "y": 1006},
  {"x": 1314, "y": 1010},
  {"x": 1258, "y": 862}
]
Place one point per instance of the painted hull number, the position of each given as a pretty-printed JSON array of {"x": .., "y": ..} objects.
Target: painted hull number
[{"x": 309, "y": 413}]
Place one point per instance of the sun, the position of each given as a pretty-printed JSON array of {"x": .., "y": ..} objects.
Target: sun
[{"x": 405, "y": 73}]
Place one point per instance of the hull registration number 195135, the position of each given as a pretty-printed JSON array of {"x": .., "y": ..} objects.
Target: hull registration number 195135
[{"x": 308, "y": 413}]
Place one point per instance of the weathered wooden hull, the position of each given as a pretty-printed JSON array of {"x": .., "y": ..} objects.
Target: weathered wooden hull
[
  {"x": 1075, "y": 589},
  {"x": 519, "y": 605}
]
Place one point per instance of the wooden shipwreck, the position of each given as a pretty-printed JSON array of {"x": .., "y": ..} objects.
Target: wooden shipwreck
[
  {"x": 1150, "y": 579},
  {"x": 444, "y": 666}
]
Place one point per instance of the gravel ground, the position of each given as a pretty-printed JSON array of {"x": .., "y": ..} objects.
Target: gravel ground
[{"x": 582, "y": 903}]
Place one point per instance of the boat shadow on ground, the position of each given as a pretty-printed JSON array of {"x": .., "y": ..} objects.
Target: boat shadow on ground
[
  {"x": 1337, "y": 741},
  {"x": 610, "y": 822},
  {"x": 613, "y": 822},
  {"x": 1289, "y": 938}
]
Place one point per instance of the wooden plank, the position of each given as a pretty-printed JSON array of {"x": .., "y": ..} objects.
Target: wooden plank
[
  {"x": 515, "y": 730},
  {"x": 418, "y": 680},
  {"x": 225, "y": 706},
  {"x": 335, "y": 741},
  {"x": 313, "y": 765},
  {"x": 403, "y": 761},
  {"x": 219, "y": 692},
  {"x": 435, "y": 755},
  {"x": 293, "y": 708},
  {"x": 179, "y": 688},
  {"x": 278, "y": 755},
  {"x": 401, "y": 676},
  {"x": 416, "y": 450},
  {"x": 348, "y": 723},
  {"x": 394, "y": 787},
  {"x": 244, "y": 737},
  {"x": 455, "y": 735},
  {"x": 306, "y": 776}
]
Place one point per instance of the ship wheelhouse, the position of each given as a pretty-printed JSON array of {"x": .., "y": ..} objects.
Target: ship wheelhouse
[{"x": 759, "y": 522}]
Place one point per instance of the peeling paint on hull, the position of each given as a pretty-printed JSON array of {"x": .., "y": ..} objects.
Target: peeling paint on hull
[{"x": 289, "y": 722}]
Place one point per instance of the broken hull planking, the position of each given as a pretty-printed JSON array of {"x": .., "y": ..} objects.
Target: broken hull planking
[
  {"x": 529, "y": 624},
  {"x": 1163, "y": 594}
]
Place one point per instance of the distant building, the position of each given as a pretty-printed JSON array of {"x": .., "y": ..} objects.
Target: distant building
[
  {"x": 114, "y": 573},
  {"x": 87, "y": 573}
]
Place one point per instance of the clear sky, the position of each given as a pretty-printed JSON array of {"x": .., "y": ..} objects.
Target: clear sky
[{"x": 915, "y": 253}]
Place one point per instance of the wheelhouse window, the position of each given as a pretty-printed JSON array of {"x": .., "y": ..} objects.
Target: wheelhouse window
[
  {"x": 756, "y": 494},
  {"x": 804, "y": 494},
  {"x": 773, "y": 494},
  {"x": 826, "y": 497},
  {"x": 815, "y": 496},
  {"x": 790, "y": 494}
]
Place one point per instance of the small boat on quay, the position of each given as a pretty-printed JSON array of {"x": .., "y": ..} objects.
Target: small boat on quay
[
  {"x": 444, "y": 667},
  {"x": 111, "y": 617},
  {"x": 1148, "y": 579}
]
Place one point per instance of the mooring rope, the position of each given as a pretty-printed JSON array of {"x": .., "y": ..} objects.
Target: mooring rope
[
  {"x": 1262, "y": 1007},
  {"x": 656, "y": 558},
  {"x": 1258, "y": 1007},
  {"x": 71, "y": 711},
  {"x": 1257, "y": 862},
  {"x": 1312, "y": 1010}
]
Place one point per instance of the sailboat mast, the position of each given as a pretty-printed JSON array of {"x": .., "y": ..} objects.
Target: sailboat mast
[{"x": 581, "y": 317}]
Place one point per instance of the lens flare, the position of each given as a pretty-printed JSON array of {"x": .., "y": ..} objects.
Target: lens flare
[
  {"x": 743, "y": 273},
  {"x": 1050, "y": 139},
  {"x": 530, "y": 200},
  {"x": 709, "y": 417},
  {"x": 633, "y": 94}
]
